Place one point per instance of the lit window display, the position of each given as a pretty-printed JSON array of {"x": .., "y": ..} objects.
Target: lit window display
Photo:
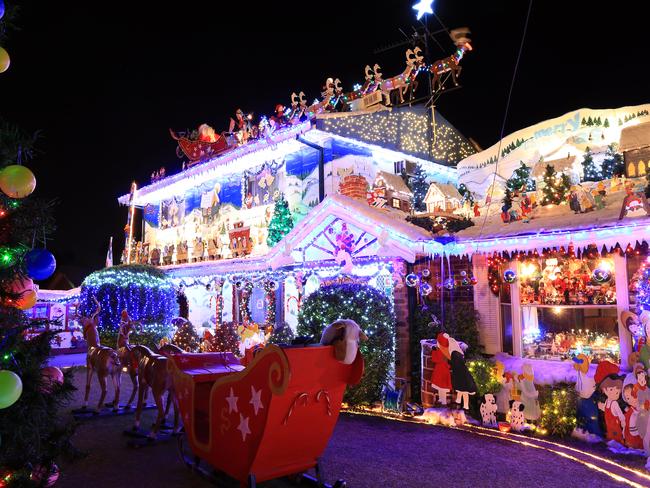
[{"x": 569, "y": 308}]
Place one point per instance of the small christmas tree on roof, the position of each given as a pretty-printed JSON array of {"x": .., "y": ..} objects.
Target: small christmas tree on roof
[
  {"x": 521, "y": 180},
  {"x": 281, "y": 222},
  {"x": 613, "y": 162},
  {"x": 589, "y": 168},
  {"x": 419, "y": 186},
  {"x": 556, "y": 186}
]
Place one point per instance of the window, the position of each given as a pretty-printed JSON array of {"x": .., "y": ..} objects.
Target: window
[{"x": 396, "y": 203}]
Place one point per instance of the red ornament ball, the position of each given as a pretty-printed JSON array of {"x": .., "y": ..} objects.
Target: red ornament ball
[{"x": 51, "y": 375}]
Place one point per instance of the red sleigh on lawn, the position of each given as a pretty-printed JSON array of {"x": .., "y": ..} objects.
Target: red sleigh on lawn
[{"x": 271, "y": 419}]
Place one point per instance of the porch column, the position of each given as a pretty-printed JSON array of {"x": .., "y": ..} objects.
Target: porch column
[
  {"x": 622, "y": 304},
  {"x": 487, "y": 306},
  {"x": 402, "y": 352},
  {"x": 515, "y": 307}
]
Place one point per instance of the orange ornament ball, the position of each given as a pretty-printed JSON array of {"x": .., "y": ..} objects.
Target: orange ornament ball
[{"x": 4, "y": 60}]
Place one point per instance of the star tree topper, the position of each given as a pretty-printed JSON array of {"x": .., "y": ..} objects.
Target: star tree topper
[{"x": 423, "y": 7}]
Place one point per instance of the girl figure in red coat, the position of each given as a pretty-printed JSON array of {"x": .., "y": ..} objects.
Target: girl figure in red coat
[
  {"x": 441, "y": 376},
  {"x": 610, "y": 384}
]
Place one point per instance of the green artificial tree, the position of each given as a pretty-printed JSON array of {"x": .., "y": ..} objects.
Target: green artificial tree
[
  {"x": 613, "y": 162},
  {"x": 373, "y": 311},
  {"x": 556, "y": 187},
  {"x": 281, "y": 222},
  {"x": 590, "y": 171},
  {"x": 34, "y": 433},
  {"x": 185, "y": 336},
  {"x": 419, "y": 187},
  {"x": 225, "y": 339},
  {"x": 507, "y": 198},
  {"x": 281, "y": 335},
  {"x": 606, "y": 124}
]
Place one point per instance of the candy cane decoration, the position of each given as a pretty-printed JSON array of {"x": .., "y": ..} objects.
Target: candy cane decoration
[
  {"x": 327, "y": 400},
  {"x": 302, "y": 396}
]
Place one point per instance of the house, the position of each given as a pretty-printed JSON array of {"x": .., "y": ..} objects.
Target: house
[
  {"x": 563, "y": 165},
  {"x": 442, "y": 197},
  {"x": 390, "y": 190},
  {"x": 635, "y": 146}
]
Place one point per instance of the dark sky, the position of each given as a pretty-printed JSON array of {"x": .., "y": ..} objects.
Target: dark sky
[{"x": 105, "y": 80}]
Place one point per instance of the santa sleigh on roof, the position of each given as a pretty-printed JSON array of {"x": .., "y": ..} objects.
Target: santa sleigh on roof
[{"x": 206, "y": 145}]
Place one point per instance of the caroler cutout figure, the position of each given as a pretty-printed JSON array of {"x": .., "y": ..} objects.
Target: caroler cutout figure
[{"x": 611, "y": 384}]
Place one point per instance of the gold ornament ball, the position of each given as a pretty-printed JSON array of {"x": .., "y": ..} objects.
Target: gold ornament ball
[
  {"x": 4, "y": 60},
  {"x": 17, "y": 181}
]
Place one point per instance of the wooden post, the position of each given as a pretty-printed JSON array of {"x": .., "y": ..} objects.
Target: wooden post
[
  {"x": 515, "y": 307},
  {"x": 622, "y": 304},
  {"x": 487, "y": 306}
]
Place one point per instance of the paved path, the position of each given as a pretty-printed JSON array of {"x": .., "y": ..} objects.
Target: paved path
[{"x": 367, "y": 452}]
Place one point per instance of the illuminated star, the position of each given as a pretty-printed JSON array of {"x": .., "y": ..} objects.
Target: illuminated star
[
  {"x": 243, "y": 427},
  {"x": 232, "y": 402},
  {"x": 424, "y": 7},
  {"x": 256, "y": 399}
]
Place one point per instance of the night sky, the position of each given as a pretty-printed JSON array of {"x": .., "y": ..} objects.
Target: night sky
[{"x": 104, "y": 81}]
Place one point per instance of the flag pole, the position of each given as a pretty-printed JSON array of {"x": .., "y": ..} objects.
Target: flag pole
[{"x": 134, "y": 187}]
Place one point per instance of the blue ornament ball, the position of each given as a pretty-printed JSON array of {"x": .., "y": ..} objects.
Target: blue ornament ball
[
  {"x": 601, "y": 275},
  {"x": 40, "y": 264},
  {"x": 509, "y": 276},
  {"x": 426, "y": 289},
  {"x": 450, "y": 284},
  {"x": 463, "y": 273},
  {"x": 426, "y": 273},
  {"x": 411, "y": 280}
]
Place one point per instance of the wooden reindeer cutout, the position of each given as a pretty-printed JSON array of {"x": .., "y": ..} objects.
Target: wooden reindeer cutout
[
  {"x": 451, "y": 64},
  {"x": 125, "y": 352},
  {"x": 101, "y": 359},
  {"x": 153, "y": 373},
  {"x": 405, "y": 81}
]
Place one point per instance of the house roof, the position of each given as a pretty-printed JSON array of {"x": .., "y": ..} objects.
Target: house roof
[
  {"x": 448, "y": 191},
  {"x": 560, "y": 165},
  {"x": 394, "y": 182},
  {"x": 635, "y": 137}
]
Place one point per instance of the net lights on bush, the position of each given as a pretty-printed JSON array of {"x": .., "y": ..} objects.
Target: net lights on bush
[{"x": 145, "y": 292}]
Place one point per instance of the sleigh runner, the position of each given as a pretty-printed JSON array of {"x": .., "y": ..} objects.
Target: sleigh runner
[{"x": 272, "y": 419}]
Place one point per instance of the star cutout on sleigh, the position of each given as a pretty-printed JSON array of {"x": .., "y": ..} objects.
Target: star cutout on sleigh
[
  {"x": 423, "y": 7},
  {"x": 232, "y": 402},
  {"x": 256, "y": 399},
  {"x": 243, "y": 427}
]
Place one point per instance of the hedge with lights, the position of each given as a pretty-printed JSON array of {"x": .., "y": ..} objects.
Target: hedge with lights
[
  {"x": 373, "y": 311},
  {"x": 145, "y": 292}
]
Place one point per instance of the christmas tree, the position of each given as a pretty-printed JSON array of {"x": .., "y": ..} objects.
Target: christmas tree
[
  {"x": 34, "y": 433},
  {"x": 613, "y": 162},
  {"x": 466, "y": 194},
  {"x": 419, "y": 187},
  {"x": 281, "y": 222},
  {"x": 185, "y": 336},
  {"x": 521, "y": 180},
  {"x": 281, "y": 335},
  {"x": 556, "y": 186},
  {"x": 589, "y": 168},
  {"x": 225, "y": 339}
]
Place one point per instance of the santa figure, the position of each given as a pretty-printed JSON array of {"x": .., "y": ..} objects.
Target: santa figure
[{"x": 441, "y": 376}]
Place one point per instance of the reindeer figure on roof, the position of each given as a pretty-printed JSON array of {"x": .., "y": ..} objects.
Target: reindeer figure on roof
[
  {"x": 451, "y": 64},
  {"x": 405, "y": 80}
]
